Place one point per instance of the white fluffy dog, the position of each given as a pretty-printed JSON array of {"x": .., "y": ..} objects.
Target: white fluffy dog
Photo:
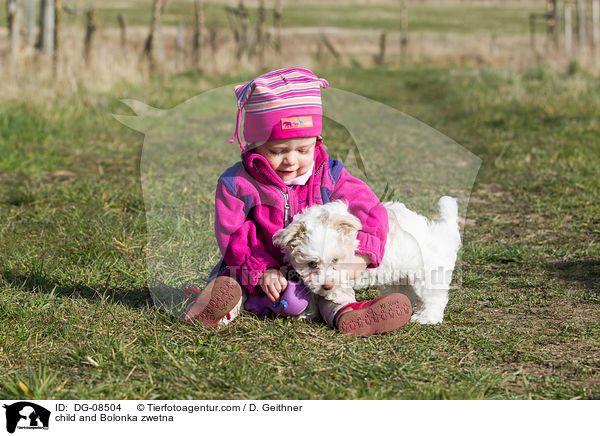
[{"x": 419, "y": 259}]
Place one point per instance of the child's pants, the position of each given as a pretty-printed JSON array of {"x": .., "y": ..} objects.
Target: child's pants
[{"x": 327, "y": 309}]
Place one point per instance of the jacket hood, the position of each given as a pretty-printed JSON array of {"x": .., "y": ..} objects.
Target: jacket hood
[{"x": 260, "y": 169}]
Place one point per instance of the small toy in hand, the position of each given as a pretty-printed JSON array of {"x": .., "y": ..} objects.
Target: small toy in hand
[
  {"x": 282, "y": 302},
  {"x": 293, "y": 301}
]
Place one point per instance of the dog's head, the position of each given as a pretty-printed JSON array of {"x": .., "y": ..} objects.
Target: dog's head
[{"x": 319, "y": 242}]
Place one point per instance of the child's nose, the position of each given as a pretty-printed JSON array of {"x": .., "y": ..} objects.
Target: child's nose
[{"x": 289, "y": 160}]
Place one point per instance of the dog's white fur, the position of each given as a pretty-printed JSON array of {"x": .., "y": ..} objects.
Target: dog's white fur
[{"x": 419, "y": 259}]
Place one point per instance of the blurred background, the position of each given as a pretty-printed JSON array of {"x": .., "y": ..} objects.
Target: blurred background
[{"x": 70, "y": 43}]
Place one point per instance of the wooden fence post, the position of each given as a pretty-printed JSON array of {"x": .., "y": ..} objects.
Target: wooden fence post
[
  {"x": 212, "y": 37},
  {"x": 532, "y": 32},
  {"x": 150, "y": 45},
  {"x": 596, "y": 24},
  {"x": 57, "y": 34},
  {"x": 10, "y": 5},
  {"x": 329, "y": 46},
  {"x": 90, "y": 29},
  {"x": 180, "y": 44},
  {"x": 403, "y": 29},
  {"x": 259, "y": 44},
  {"x": 46, "y": 36},
  {"x": 243, "y": 17},
  {"x": 13, "y": 22},
  {"x": 277, "y": 24},
  {"x": 123, "y": 26},
  {"x": 238, "y": 21},
  {"x": 198, "y": 34},
  {"x": 494, "y": 44},
  {"x": 580, "y": 25},
  {"x": 30, "y": 12},
  {"x": 380, "y": 58},
  {"x": 551, "y": 22},
  {"x": 568, "y": 31}
]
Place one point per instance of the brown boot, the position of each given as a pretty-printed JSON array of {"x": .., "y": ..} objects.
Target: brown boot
[
  {"x": 215, "y": 301},
  {"x": 383, "y": 314}
]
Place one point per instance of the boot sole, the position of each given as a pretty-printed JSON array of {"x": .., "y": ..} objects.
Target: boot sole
[
  {"x": 220, "y": 297},
  {"x": 387, "y": 314}
]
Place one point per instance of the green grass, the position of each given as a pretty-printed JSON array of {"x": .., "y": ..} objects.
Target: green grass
[{"x": 77, "y": 320}]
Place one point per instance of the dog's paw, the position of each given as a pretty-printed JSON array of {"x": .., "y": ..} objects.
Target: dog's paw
[{"x": 425, "y": 318}]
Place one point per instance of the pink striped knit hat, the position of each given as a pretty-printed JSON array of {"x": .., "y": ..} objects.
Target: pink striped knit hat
[{"x": 281, "y": 104}]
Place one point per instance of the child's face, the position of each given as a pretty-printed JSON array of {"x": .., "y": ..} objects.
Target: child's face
[{"x": 289, "y": 158}]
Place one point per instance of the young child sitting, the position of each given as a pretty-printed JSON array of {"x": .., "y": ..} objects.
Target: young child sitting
[{"x": 284, "y": 169}]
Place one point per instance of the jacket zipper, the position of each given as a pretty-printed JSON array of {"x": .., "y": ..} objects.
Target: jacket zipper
[
  {"x": 286, "y": 216},
  {"x": 320, "y": 166},
  {"x": 286, "y": 197}
]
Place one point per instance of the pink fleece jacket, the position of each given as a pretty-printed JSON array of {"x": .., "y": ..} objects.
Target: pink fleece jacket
[{"x": 252, "y": 203}]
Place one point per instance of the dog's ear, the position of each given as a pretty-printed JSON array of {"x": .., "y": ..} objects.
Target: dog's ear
[
  {"x": 290, "y": 237},
  {"x": 346, "y": 224}
]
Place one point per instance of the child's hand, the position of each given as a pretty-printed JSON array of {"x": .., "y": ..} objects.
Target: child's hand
[
  {"x": 358, "y": 265},
  {"x": 273, "y": 283}
]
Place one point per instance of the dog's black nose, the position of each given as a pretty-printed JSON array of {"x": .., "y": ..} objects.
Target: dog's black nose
[{"x": 327, "y": 286}]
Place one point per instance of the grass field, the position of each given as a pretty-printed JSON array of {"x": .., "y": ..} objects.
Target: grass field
[{"x": 77, "y": 320}]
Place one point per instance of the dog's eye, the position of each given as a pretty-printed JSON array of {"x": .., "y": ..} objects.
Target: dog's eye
[
  {"x": 334, "y": 260},
  {"x": 312, "y": 264}
]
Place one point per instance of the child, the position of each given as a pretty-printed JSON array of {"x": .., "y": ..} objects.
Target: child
[{"x": 285, "y": 169}]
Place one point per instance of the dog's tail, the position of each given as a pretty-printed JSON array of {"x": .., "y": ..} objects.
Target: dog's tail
[{"x": 448, "y": 209}]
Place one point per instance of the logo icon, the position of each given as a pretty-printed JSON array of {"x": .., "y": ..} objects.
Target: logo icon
[
  {"x": 26, "y": 415},
  {"x": 296, "y": 122}
]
